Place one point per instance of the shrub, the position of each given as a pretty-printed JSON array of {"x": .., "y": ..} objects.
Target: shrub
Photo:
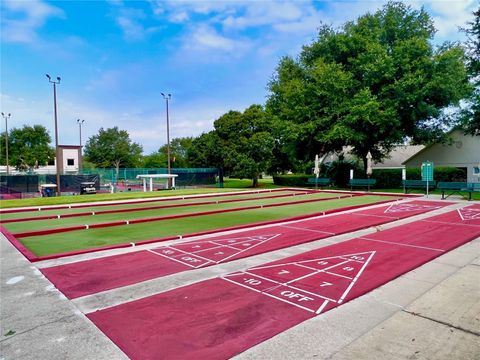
[{"x": 291, "y": 179}]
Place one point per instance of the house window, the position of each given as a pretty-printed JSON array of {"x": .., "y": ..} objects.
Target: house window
[{"x": 70, "y": 162}]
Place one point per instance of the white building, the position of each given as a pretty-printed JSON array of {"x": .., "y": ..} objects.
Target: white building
[
  {"x": 70, "y": 162},
  {"x": 462, "y": 151}
]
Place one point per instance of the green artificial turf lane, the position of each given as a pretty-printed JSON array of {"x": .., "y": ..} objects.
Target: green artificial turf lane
[
  {"x": 139, "y": 214},
  {"x": 160, "y": 202},
  {"x": 92, "y": 238}
]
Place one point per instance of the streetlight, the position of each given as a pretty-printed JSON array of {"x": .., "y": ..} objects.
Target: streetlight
[
  {"x": 80, "y": 122},
  {"x": 168, "y": 97},
  {"x": 6, "y": 117},
  {"x": 57, "y": 155}
]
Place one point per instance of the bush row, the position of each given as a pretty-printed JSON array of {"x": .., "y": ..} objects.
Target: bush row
[{"x": 386, "y": 178}]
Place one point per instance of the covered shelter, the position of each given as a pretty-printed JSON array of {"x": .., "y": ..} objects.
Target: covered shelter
[{"x": 167, "y": 177}]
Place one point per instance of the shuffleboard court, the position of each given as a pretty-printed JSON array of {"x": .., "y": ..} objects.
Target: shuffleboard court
[
  {"x": 141, "y": 231},
  {"x": 146, "y": 205},
  {"x": 219, "y": 318},
  {"x": 92, "y": 276}
]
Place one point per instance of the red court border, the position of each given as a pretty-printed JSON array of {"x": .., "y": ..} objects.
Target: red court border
[{"x": 34, "y": 258}]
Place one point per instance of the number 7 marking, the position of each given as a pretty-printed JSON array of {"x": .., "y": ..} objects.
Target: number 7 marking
[{"x": 324, "y": 283}]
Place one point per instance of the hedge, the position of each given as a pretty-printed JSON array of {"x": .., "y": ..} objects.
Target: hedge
[{"x": 386, "y": 178}]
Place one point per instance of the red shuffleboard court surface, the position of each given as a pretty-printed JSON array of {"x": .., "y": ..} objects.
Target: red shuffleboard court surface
[
  {"x": 219, "y": 318},
  {"x": 92, "y": 276}
]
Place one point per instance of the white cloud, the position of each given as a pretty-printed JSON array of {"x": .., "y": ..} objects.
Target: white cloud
[
  {"x": 204, "y": 38},
  {"x": 131, "y": 30},
  {"x": 179, "y": 17},
  {"x": 131, "y": 21},
  {"x": 449, "y": 16},
  {"x": 22, "y": 19}
]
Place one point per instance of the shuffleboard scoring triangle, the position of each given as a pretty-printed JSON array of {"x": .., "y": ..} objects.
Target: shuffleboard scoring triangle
[
  {"x": 404, "y": 207},
  {"x": 469, "y": 213},
  {"x": 308, "y": 284},
  {"x": 212, "y": 251}
]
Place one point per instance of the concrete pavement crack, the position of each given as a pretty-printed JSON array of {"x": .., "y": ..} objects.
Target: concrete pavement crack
[
  {"x": 442, "y": 322},
  {"x": 36, "y": 327}
]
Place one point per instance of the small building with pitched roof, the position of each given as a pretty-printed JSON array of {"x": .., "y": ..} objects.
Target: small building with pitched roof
[{"x": 461, "y": 151}]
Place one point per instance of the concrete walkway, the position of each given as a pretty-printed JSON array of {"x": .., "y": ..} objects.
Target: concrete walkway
[{"x": 432, "y": 312}]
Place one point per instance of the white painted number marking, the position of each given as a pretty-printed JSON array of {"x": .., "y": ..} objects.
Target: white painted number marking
[
  {"x": 252, "y": 281},
  {"x": 347, "y": 268},
  {"x": 293, "y": 295},
  {"x": 190, "y": 259},
  {"x": 324, "y": 283},
  {"x": 168, "y": 252},
  {"x": 322, "y": 262},
  {"x": 281, "y": 272}
]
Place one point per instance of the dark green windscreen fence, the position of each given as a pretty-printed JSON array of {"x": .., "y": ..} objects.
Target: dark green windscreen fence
[{"x": 18, "y": 186}]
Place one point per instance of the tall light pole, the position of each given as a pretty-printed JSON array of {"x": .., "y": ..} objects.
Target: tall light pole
[
  {"x": 167, "y": 97},
  {"x": 57, "y": 152},
  {"x": 6, "y": 117},
  {"x": 80, "y": 122}
]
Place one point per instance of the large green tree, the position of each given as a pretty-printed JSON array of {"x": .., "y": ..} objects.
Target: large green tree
[
  {"x": 471, "y": 115},
  {"x": 370, "y": 84},
  {"x": 28, "y": 147},
  {"x": 241, "y": 144},
  {"x": 113, "y": 148},
  {"x": 178, "y": 154}
]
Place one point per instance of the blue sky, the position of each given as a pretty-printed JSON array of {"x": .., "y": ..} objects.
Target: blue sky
[{"x": 116, "y": 57}]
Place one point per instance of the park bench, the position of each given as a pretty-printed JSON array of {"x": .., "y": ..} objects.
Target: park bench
[
  {"x": 319, "y": 181},
  {"x": 362, "y": 183},
  {"x": 417, "y": 184},
  {"x": 457, "y": 187}
]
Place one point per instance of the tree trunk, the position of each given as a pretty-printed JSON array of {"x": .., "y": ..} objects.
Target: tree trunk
[{"x": 255, "y": 182}]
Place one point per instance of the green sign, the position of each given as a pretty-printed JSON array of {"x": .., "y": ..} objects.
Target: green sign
[{"x": 427, "y": 171}]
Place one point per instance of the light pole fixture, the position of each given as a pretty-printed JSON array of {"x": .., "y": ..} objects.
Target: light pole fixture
[
  {"x": 6, "y": 117},
  {"x": 57, "y": 152},
  {"x": 80, "y": 122},
  {"x": 168, "y": 97}
]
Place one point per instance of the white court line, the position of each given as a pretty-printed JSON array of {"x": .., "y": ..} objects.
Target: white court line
[
  {"x": 401, "y": 244},
  {"x": 314, "y": 273},
  {"x": 272, "y": 296},
  {"x": 380, "y": 216},
  {"x": 181, "y": 262},
  {"x": 307, "y": 229},
  {"x": 460, "y": 214},
  {"x": 356, "y": 278},
  {"x": 286, "y": 285},
  {"x": 219, "y": 246},
  {"x": 320, "y": 309},
  {"x": 343, "y": 276},
  {"x": 189, "y": 253},
  {"x": 262, "y": 242},
  {"x": 279, "y": 284},
  {"x": 310, "y": 260},
  {"x": 449, "y": 223}
]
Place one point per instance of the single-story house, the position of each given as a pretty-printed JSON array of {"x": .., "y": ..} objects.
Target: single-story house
[{"x": 462, "y": 151}]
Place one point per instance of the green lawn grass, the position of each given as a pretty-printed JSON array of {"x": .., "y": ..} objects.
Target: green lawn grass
[
  {"x": 82, "y": 220},
  {"x": 92, "y": 238}
]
